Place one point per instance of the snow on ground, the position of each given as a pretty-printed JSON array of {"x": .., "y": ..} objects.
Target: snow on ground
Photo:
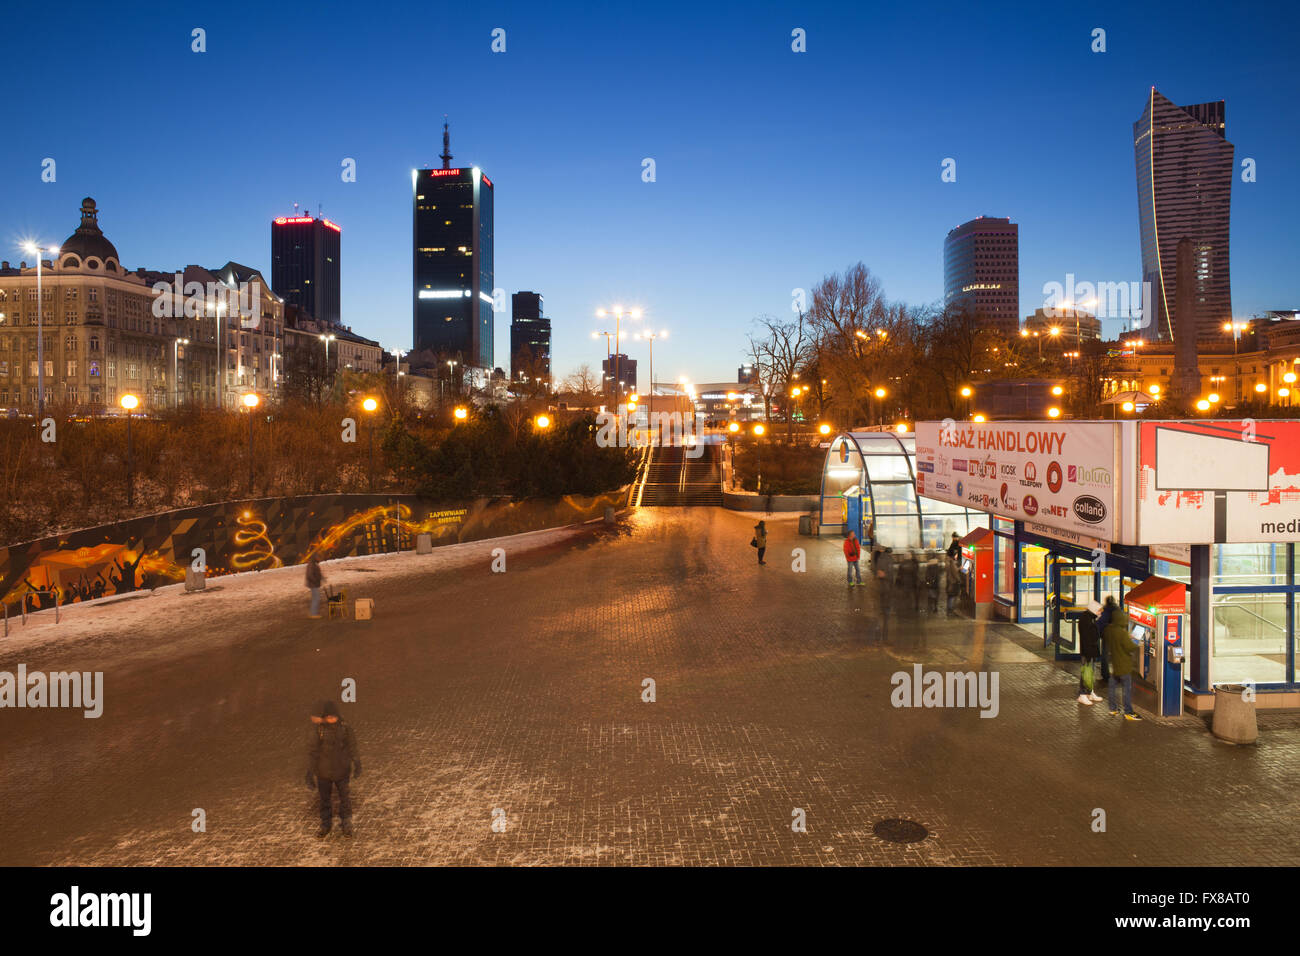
[{"x": 201, "y": 612}]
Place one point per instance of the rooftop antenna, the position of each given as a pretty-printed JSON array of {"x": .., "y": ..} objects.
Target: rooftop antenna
[{"x": 446, "y": 144}]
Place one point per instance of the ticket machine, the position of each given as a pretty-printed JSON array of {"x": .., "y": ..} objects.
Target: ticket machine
[
  {"x": 1158, "y": 621},
  {"x": 977, "y": 565}
]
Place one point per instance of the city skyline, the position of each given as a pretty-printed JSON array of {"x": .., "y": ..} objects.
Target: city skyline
[{"x": 716, "y": 239}]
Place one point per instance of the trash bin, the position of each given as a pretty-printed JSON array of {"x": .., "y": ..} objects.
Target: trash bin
[
  {"x": 194, "y": 580},
  {"x": 1234, "y": 715},
  {"x": 805, "y": 525}
]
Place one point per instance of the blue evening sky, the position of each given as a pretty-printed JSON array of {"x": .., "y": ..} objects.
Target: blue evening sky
[{"x": 774, "y": 168}]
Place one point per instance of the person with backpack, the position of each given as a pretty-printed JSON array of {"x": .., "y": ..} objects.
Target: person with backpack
[
  {"x": 1089, "y": 653},
  {"x": 1108, "y": 608},
  {"x": 332, "y": 760},
  {"x": 1122, "y": 651},
  {"x": 932, "y": 576},
  {"x": 759, "y": 540},
  {"x": 852, "y": 554}
]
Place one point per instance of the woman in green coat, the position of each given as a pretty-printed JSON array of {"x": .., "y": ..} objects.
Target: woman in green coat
[{"x": 1122, "y": 649}]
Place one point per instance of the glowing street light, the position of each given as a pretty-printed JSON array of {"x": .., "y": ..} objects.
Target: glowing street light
[
  {"x": 1128, "y": 406},
  {"x": 901, "y": 427},
  {"x": 461, "y": 413},
  {"x": 1214, "y": 398},
  {"x": 978, "y": 418},
  {"x": 759, "y": 430},
  {"x": 1154, "y": 389},
  {"x": 251, "y": 401},
  {"x": 1202, "y": 405},
  {"x": 129, "y": 402},
  {"x": 1057, "y": 390},
  {"x": 543, "y": 421},
  {"x": 618, "y": 312},
  {"x": 823, "y": 428},
  {"x": 369, "y": 404},
  {"x": 1053, "y": 412}
]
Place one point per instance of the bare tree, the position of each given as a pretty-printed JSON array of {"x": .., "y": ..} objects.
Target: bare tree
[{"x": 779, "y": 352}]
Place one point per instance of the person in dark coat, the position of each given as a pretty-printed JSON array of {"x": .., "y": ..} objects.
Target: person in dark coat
[
  {"x": 1108, "y": 608},
  {"x": 909, "y": 582},
  {"x": 760, "y": 540},
  {"x": 332, "y": 760},
  {"x": 954, "y": 584},
  {"x": 1089, "y": 653},
  {"x": 1122, "y": 664},
  {"x": 954, "y": 547},
  {"x": 882, "y": 565}
]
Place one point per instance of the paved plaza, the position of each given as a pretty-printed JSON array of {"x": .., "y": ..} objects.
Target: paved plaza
[{"x": 522, "y": 692}]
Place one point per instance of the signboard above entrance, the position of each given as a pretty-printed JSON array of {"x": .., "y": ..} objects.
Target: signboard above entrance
[{"x": 1059, "y": 474}]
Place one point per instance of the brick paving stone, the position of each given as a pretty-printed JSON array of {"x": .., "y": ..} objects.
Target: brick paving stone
[{"x": 522, "y": 691}]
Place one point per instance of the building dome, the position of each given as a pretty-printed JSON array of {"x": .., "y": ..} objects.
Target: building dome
[{"x": 88, "y": 240}]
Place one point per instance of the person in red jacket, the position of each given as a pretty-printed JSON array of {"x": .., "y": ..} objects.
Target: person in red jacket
[{"x": 852, "y": 552}]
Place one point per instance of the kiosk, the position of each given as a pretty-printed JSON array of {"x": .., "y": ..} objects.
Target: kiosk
[
  {"x": 1157, "y": 611},
  {"x": 853, "y": 513},
  {"x": 977, "y": 565}
]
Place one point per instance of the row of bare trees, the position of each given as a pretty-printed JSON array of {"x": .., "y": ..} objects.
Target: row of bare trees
[{"x": 856, "y": 358}]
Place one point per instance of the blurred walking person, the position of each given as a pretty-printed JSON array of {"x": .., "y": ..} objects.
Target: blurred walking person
[
  {"x": 1120, "y": 645},
  {"x": 1089, "y": 654},
  {"x": 314, "y": 581}
]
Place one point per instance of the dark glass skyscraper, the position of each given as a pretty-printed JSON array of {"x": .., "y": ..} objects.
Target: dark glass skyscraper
[
  {"x": 981, "y": 272},
  {"x": 1184, "y": 185},
  {"x": 530, "y": 335},
  {"x": 453, "y": 277},
  {"x": 305, "y": 264}
]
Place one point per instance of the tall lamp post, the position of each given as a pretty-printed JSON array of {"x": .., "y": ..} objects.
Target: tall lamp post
[
  {"x": 176, "y": 385},
  {"x": 618, "y": 312},
  {"x": 650, "y": 337},
  {"x": 36, "y": 250},
  {"x": 370, "y": 405},
  {"x": 251, "y": 400},
  {"x": 129, "y": 403},
  {"x": 327, "y": 339}
]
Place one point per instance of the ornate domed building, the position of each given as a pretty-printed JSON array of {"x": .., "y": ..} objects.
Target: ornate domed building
[{"x": 88, "y": 247}]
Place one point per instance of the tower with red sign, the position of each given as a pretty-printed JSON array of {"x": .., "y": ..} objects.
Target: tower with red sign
[{"x": 305, "y": 264}]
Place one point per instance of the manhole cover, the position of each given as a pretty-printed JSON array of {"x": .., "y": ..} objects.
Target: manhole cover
[{"x": 900, "y": 831}]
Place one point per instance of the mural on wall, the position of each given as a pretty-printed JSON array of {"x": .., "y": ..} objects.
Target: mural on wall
[{"x": 261, "y": 534}]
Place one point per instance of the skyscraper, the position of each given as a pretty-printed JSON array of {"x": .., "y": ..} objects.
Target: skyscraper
[
  {"x": 981, "y": 272},
  {"x": 453, "y": 277},
  {"x": 530, "y": 336},
  {"x": 1184, "y": 185},
  {"x": 305, "y": 265}
]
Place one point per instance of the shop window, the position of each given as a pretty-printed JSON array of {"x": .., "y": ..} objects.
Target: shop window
[
  {"x": 1248, "y": 565},
  {"x": 1248, "y": 637},
  {"x": 1004, "y": 568}
]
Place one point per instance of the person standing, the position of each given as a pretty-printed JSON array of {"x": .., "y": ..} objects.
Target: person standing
[
  {"x": 1089, "y": 653},
  {"x": 1120, "y": 645},
  {"x": 852, "y": 554},
  {"x": 314, "y": 581},
  {"x": 1103, "y": 619},
  {"x": 332, "y": 760},
  {"x": 909, "y": 579},
  {"x": 932, "y": 575},
  {"x": 760, "y": 540},
  {"x": 954, "y": 548}
]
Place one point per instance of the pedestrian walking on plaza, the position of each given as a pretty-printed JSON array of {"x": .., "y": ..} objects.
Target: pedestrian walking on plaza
[
  {"x": 1103, "y": 619},
  {"x": 759, "y": 540},
  {"x": 909, "y": 582},
  {"x": 852, "y": 554},
  {"x": 314, "y": 581},
  {"x": 883, "y": 568},
  {"x": 954, "y": 547},
  {"x": 332, "y": 760},
  {"x": 954, "y": 584},
  {"x": 1089, "y": 654},
  {"x": 1120, "y": 645},
  {"x": 932, "y": 575}
]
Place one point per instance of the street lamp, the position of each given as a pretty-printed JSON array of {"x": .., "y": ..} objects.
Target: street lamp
[
  {"x": 461, "y": 413},
  {"x": 966, "y": 393},
  {"x": 1128, "y": 406},
  {"x": 543, "y": 421},
  {"x": 176, "y": 385},
  {"x": 251, "y": 401},
  {"x": 451, "y": 374},
  {"x": 370, "y": 405},
  {"x": 1202, "y": 405},
  {"x": 618, "y": 312},
  {"x": 129, "y": 402},
  {"x": 650, "y": 337},
  {"x": 823, "y": 429},
  {"x": 1053, "y": 412},
  {"x": 978, "y": 418},
  {"x": 36, "y": 250}
]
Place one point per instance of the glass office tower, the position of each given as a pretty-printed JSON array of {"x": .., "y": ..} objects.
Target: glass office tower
[
  {"x": 1184, "y": 185},
  {"x": 453, "y": 275},
  {"x": 305, "y": 264}
]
